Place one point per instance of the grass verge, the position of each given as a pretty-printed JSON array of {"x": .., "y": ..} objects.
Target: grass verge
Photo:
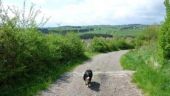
[{"x": 153, "y": 80}]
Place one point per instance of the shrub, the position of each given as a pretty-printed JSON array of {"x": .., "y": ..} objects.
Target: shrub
[
  {"x": 164, "y": 36},
  {"x": 107, "y": 45},
  {"x": 112, "y": 44},
  {"x": 123, "y": 44},
  {"x": 24, "y": 48},
  {"x": 99, "y": 45},
  {"x": 29, "y": 59},
  {"x": 20, "y": 42},
  {"x": 64, "y": 48},
  {"x": 76, "y": 45},
  {"x": 149, "y": 34}
]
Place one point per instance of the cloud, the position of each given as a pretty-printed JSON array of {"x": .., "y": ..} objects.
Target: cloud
[
  {"x": 37, "y": 2},
  {"x": 95, "y": 12},
  {"x": 89, "y": 12}
]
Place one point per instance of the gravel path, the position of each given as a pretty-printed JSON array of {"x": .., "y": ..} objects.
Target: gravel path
[{"x": 109, "y": 79}]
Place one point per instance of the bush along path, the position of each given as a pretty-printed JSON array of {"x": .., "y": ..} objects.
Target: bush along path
[{"x": 109, "y": 79}]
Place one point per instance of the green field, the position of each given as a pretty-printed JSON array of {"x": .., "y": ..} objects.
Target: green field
[{"x": 131, "y": 30}]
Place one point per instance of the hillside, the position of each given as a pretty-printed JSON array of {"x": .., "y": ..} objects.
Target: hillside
[{"x": 98, "y": 30}]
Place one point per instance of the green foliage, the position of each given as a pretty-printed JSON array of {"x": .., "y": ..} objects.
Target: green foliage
[
  {"x": 30, "y": 83},
  {"x": 76, "y": 46},
  {"x": 100, "y": 44},
  {"x": 64, "y": 48},
  {"x": 20, "y": 42},
  {"x": 27, "y": 50},
  {"x": 29, "y": 59},
  {"x": 146, "y": 55},
  {"x": 92, "y": 35},
  {"x": 148, "y": 76},
  {"x": 164, "y": 36},
  {"x": 149, "y": 34},
  {"x": 123, "y": 43},
  {"x": 23, "y": 49},
  {"x": 39, "y": 60}
]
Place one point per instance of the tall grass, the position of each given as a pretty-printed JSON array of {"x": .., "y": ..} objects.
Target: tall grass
[{"x": 148, "y": 76}]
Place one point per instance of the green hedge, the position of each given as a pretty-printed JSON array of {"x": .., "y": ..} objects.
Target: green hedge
[
  {"x": 25, "y": 50},
  {"x": 99, "y": 44},
  {"x": 64, "y": 48}
]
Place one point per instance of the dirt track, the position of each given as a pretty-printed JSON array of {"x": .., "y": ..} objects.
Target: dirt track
[{"x": 108, "y": 80}]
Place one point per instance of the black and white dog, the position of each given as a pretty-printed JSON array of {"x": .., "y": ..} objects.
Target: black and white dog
[{"x": 87, "y": 77}]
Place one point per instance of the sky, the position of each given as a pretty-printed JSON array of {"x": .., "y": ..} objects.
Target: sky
[{"x": 97, "y": 12}]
